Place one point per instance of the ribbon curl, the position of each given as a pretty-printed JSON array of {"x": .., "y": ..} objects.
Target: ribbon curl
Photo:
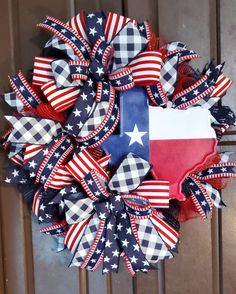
[{"x": 124, "y": 220}]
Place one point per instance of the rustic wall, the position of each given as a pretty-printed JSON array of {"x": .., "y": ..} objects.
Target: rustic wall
[{"x": 207, "y": 260}]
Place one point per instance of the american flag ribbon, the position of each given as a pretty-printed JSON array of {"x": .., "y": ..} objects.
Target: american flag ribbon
[
  {"x": 36, "y": 202},
  {"x": 157, "y": 193},
  {"x": 75, "y": 233},
  {"x": 68, "y": 35},
  {"x": 146, "y": 68},
  {"x": 114, "y": 23},
  {"x": 78, "y": 24},
  {"x": 30, "y": 151},
  {"x": 222, "y": 85},
  {"x": 53, "y": 160},
  {"x": 61, "y": 178},
  {"x": 83, "y": 163},
  {"x": 60, "y": 99},
  {"x": 24, "y": 91},
  {"x": 169, "y": 235},
  {"x": 42, "y": 71}
]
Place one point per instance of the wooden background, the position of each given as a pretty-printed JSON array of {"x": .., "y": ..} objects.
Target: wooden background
[{"x": 206, "y": 262}]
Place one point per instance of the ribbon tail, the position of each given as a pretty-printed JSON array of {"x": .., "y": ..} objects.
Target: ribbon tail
[{"x": 130, "y": 245}]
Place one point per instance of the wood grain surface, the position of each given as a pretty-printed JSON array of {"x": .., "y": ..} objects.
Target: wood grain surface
[{"x": 206, "y": 262}]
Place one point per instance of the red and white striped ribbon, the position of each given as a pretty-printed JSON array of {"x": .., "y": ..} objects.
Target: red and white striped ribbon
[
  {"x": 61, "y": 178},
  {"x": 31, "y": 150},
  {"x": 222, "y": 85},
  {"x": 157, "y": 192},
  {"x": 78, "y": 24},
  {"x": 42, "y": 72},
  {"x": 114, "y": 23},
  {"x": 83, "y": 163},
  {"x": 36, "y": 203},
  {"x": 74, "y": 235},
  {"x": 146, "y": 68},
  {"x": 60, "y": 99},
  {"x": 169, "y": 235}
]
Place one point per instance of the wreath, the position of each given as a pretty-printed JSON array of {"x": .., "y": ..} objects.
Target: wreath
[{"x": 113, "y": 143}]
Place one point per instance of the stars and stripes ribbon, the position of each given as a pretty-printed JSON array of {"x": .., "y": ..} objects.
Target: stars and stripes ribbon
[
  {"x": 23, "y": 91},
  {"x": 95, "y": 58},
  {"x": 114, "y": 207},
  {"x": 176, "y": 53}
]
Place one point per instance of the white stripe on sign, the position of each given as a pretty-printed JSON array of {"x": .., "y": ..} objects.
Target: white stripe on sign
[{"x": 170, "y": 124}]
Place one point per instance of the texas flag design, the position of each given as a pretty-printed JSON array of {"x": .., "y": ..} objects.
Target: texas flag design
[{"x": 174, "y": 141}]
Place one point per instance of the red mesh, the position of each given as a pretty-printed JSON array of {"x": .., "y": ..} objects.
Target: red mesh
[
  {"x": 187, "y": 210},
  {"x": 185, "y": 79},
  {"x": 46, "y": 111}
]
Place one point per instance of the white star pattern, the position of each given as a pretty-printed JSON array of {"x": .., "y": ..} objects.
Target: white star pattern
[
  {"x": 77, "y": 112},
  {"x": 69, "y": 127},
  {"x": 135, "y": 136},
  {"x": 32, "y": 164},
  {"x": 84, "y": 96},
  {"x": 15, "y": 173},
  {"x": 92, "y": 31},
  {"x": 100, "y": 71},
  {"x": 125, "y": 243}
]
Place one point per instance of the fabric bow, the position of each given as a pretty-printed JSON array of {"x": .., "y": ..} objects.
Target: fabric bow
[
  {"x": 121, "y": 210},
  {"x": 100, "y": 66},
  {"x": 202, "y": 186}
]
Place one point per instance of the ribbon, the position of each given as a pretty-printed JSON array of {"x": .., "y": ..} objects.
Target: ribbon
[
  {"x": 114, "y": 209},
  {"x": 200, "y": 186},
  {"x": 176, "y": 53},
  {"x": 103, "y": 68}
]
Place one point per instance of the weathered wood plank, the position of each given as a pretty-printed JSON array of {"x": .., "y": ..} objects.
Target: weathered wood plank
[
  {"x": 12, "y": 240},
  {"x": 227, "y": 54},
  {"x": 49, "y": 267},
  {"x": 188, "y": 21}
]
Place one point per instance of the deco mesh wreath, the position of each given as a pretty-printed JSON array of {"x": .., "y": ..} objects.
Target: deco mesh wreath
[{"x": 114, "y": 141}]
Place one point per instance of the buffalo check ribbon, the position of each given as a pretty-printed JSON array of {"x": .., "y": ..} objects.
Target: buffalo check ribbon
[
  {"x": 101, "y": 68},
  {"x": 176, "y": 53},
  {"x": 199, "y": 185},
  {"x": 32, "y": 130},
  {"x": 114, "y": 210}
]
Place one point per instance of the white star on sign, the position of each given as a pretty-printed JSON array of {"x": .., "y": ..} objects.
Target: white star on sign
[
  {"x": 114, "y": 266},
  {"x": 7, "y": 180},
  {"x": 135, "y": 136}
]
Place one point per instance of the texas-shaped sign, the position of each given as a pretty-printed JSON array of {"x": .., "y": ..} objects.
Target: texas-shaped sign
[{"x": 174, "y": 141}]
